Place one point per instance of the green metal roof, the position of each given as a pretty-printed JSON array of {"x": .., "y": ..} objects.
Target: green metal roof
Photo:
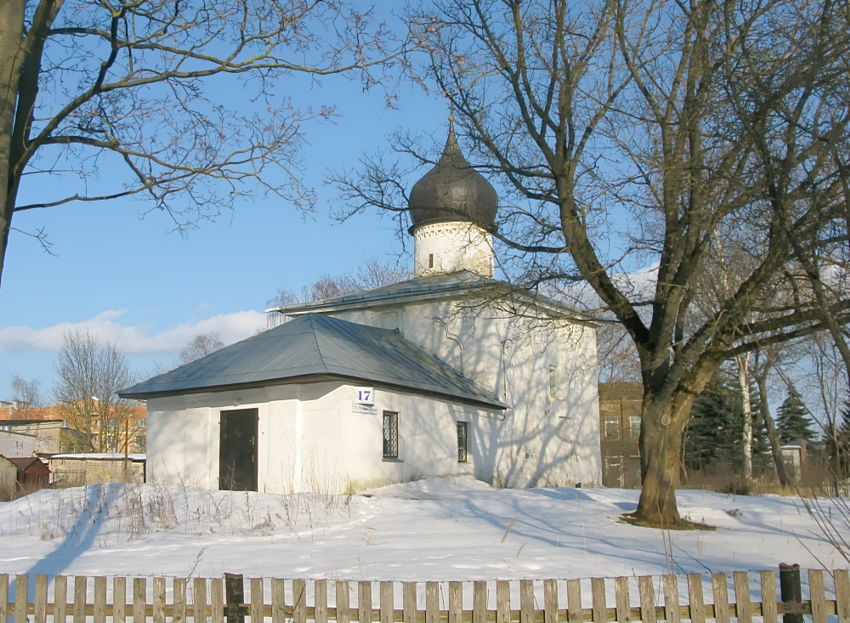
[{"x": 315, "y": 347}]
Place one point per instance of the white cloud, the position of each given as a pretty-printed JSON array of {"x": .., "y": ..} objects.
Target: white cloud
[
  {"x": 638, "y": 285},
  {"x": 132, "y": 339}
]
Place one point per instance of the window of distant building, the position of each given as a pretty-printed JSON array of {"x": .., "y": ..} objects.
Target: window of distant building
[
  {"x": 634, "y": 427},
  {"x": 612, "y": 427}
]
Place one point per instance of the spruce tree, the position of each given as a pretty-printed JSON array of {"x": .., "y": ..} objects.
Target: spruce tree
[
  {"x": 792, "y": 419},
  {"x": 714, "y": 432}
]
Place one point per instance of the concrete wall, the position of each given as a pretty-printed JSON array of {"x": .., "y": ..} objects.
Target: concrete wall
[
  {"x": 77, "y": 472},
  {"x": 17, "y": 444},
  {"x": 51, "y": 437}
]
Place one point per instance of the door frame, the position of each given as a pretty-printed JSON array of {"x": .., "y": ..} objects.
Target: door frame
[{"x": 251, "y": 418}]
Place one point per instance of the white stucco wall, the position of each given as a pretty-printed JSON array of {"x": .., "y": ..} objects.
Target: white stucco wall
[
  {"x": 310, "y": 437},
  {"x": 545, "y": 370},
  {"x": 441, "y": 248}
]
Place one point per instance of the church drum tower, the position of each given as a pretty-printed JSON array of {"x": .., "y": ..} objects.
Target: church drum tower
[{"x": 453, "y": 210}]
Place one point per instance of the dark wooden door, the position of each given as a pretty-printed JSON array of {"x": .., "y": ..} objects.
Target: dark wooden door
[{"x": 237, "y": 457}]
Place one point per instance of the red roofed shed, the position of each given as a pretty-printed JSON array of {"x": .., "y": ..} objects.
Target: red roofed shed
[{"x": 33, "y": 473}]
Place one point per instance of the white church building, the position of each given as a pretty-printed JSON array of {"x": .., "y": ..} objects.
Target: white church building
[{"x": 451, "y": 373}]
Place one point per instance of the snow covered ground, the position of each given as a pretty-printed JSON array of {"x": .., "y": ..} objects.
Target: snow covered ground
[{"x": 427, "y": 530}]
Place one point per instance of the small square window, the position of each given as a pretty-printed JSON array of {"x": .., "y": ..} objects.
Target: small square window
[
  {"x": 462, "y": 441},
  {"x": 390, "y": 435}
]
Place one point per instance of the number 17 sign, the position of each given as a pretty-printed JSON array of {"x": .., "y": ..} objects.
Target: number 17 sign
[{"x": 364, "y": 395}]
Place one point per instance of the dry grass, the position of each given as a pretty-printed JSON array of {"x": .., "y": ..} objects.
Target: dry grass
[
  {"x": 682, "y": 524},
  {"x": 816, "y": 481}
]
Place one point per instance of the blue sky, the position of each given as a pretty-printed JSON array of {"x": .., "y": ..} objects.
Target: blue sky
[{"x": 129, "y": 279}]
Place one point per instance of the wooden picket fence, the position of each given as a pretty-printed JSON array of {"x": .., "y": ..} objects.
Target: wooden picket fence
[{"x": 88, "y": 600}]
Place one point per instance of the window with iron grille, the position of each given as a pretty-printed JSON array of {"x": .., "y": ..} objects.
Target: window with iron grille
[
  {"x": 462, "y": 441},
  {"x": 390, "y": 435}
]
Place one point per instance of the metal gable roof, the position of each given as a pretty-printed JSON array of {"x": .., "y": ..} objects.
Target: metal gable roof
[
  {"x": 315, "y": 345},
  {"x": 462, "y": 284},
  {"x": 461, "y": 281}
]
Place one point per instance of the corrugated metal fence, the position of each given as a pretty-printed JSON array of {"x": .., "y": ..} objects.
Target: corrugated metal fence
[{"x": 742, "y": 596}]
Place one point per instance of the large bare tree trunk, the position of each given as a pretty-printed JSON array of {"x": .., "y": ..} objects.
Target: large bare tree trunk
[
  {"x": 11, "y": 22},
  {"x": 664, "y": 417},
  {"x": 660, "y": 452},
  {"x": 20, "y": 68}
]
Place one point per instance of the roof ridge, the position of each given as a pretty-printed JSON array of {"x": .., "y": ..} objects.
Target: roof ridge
[
  {"x": 415, "y": 286},
  {"x": 314, "y": 325}
]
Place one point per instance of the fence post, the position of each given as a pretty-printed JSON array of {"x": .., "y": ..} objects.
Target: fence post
[
  {"x": 234, "y": 593},
  {"x": 791, "y": 593}
]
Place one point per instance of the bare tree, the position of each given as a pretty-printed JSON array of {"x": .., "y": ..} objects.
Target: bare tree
[
  {"x": 27, "y": 395},
  {"x": 200, "y": 345},
  {"x": 730, "y": 262},
  {"x": 766, "y": 362},
  {"x": 633, "y": 134},
  {"x": 373, "y": 274},
  {"x": 190, "y": 100},
  {"x": 90, "y": 375},
  {"x": 618, "y": 359},
  {"x": 822, "y": 374}
]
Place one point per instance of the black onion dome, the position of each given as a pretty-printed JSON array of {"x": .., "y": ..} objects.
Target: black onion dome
[{"x": 453, "y": 191}]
